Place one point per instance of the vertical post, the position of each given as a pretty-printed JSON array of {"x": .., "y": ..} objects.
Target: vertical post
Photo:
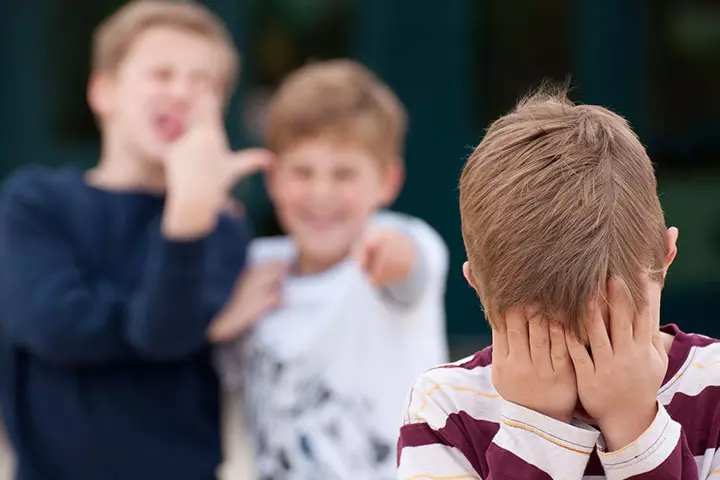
[
  {"x": 422, "y": 48},
  {"x": 610, "y": 56},
  {"x": 25, "y": 107},
  {"x": 235, "y": 14}
]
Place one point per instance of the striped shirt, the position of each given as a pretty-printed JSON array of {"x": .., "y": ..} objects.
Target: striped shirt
[{"x": 457, "y": 427}]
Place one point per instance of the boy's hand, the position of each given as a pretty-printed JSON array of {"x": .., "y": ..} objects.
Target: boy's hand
[
  {"x": 386, "y": 256},
  {"x": 257, "y": 291},
  {"x": 618, "y": 385},
  {"x": 200, "y": 171},
  {"x": 531, "y": 366}
]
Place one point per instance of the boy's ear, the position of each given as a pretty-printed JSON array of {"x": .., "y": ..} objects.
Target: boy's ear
[
  {"x": 99, "y": 93},
  {"x": 672, "y": 236},
  {"x": 393, "y": 182},
  {"x": 466, "y": 274}
]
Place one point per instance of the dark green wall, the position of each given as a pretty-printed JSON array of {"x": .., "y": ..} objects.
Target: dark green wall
[{"x": 428, "y": 52}]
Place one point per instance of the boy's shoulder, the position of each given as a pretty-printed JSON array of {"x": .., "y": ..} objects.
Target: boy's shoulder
[
  {"x": 405, "y": 222},
  {"x": 39, "y": 191},
  {"x": 693, "y": 368},
  {"x": 38, "y": 180},
  {"x": 459, "y": 388},
  {"x": 271, "y": 249},
  {"x": 430, "y": 243}
]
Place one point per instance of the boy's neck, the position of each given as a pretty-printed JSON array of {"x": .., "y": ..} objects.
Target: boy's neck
[
  {"x": 122, "y": 172},
  {"x": 667, "y": 340},
  {"x": 307, "y": 265}
]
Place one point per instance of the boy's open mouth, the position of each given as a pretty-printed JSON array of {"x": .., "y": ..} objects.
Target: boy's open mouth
[{"x": 169, "y": 127}]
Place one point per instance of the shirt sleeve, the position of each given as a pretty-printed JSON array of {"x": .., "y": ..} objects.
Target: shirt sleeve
[
  {"x": 439, "y": 443},
  {"x": 661, "y": 452}
]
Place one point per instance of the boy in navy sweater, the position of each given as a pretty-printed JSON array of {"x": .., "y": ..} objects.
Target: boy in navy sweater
[{"x": 110, "y": 277}]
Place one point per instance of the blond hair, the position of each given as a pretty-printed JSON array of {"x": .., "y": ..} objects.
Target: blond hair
[
  {"x": 340, "y": 99},
  {"x": 556, "y": 199},
  {"x": 114, "y": 36}
]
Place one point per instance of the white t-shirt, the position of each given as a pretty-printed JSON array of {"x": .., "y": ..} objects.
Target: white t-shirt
[{"x": 325, "y": 378}]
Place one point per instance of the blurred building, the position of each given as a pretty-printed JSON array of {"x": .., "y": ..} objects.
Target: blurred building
[{"x": 457, "y": 64}]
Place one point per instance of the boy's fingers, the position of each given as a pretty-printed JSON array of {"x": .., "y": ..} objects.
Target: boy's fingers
[
  {"x": 620, "y": 313},
  {"x": 517, "y": 333},
  {"x": 207, "y": 111},
  {"x": 276, "y": 273},
  {"x": 660, "y": 347},
  {"x": 558, "y": 347},
  {"x": 366, "y": 254},
  {"x": 539, "y": 339},
  {"x": 246, "y": 162},
  {"x": 579, "y": 355},
  {"x": 379, "y": 268},
  {"x": 274, "y": 299},
  {"x": 597, "y": 334},
  {"x": 499, "y": 343},
  {"x": 647, "y": 320},
  {"x": 359, "y": 254},
  {"x": 268, "y": 274}
]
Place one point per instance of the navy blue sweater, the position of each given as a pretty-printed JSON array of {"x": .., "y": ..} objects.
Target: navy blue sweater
[{"x": 106, "y": 372}]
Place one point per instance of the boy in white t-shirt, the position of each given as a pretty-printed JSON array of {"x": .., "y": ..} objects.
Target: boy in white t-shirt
[{"x": 350, "y": 306}]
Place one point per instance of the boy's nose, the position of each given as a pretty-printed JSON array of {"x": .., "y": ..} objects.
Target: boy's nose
[
  {"x": 322, "y": 190},
  {"x": 181, "y": 90}
]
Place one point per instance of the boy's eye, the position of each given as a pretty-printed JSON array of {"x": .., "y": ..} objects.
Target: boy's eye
[
  {"x": 162, "y": 74},
  {"x": 201, "y": 80},
  {"x": 301, "y": 172},
  {"x": 345, "y": 174}
]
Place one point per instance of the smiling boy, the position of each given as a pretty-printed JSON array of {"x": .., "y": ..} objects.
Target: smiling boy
[{"x": 350, "y": 305}]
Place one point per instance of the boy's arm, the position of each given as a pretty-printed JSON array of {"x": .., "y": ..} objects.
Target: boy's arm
[
  {"x": 440, "y": 441},
  {"x": 171, "y": 311},
  {"x": 170, "y": 319},
  {"x": 618, "y": 379},
  {"x": 58, "y": 311},
  {"x": 428, "y": 263},
  {"x": 662, "y": 452},
  {"x": 51, "y": 306},
  {"x": 227, "y": 358}
]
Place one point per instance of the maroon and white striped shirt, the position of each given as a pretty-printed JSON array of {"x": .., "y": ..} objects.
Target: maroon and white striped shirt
[{"x": 457, "y": 427}]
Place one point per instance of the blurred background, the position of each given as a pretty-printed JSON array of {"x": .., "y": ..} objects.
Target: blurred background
[{"x": 457, "y": 65}]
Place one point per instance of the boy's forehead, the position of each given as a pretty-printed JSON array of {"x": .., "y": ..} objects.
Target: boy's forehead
[
  {"x": 327, "y": 150},
  {"x": 169, "y": 44}
]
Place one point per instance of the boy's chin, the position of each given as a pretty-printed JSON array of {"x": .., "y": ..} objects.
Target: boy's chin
[
  {"x": 322, "y": 258},
  {"x": 157, "y": 156},
  {"x": 155, "y": 152}
]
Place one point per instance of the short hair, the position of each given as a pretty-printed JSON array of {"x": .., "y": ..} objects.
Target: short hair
[
  {"x": 555, "y": 199},
  {"x": 113, "y": 38},
  {"x": 340, "y": 99}
]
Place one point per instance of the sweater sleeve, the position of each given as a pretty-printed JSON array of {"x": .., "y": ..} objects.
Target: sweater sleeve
[
  {"x": 58, "y": 310},
  {"x": 179, "y": 295},
  {"x": 50, "y": 305}
]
